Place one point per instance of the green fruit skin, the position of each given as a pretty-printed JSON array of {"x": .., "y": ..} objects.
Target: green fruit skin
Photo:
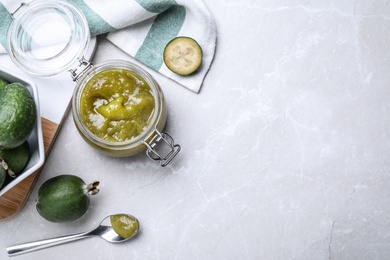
[
  {"x": 2, "y": 176},
  {"x": 18, "y": 114},
  {"x": 62, "y": 199},
  {"x": 16, "y": 158},
  {"x": 3, "y": 83}
]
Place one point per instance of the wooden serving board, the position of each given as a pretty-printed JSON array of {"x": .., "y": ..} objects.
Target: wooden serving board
[{"x": 14, "y": 200}]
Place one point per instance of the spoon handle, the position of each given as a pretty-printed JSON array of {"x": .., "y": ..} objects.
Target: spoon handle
[{"x": 36, "y": 245}]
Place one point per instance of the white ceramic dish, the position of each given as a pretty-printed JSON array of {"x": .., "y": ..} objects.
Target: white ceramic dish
[{"x": 36, "y": 138}]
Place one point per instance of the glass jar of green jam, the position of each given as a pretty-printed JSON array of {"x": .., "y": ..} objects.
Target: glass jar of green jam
[
  {"x": 119, "y": 109},
  {"x": 117, "y": 106}
]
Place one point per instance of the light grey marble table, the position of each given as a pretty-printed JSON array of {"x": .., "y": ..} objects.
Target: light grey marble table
[{"x": 285, "y": 151}]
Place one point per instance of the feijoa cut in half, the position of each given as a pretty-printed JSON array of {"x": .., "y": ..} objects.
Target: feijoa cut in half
[
  {"x": 183, "y": 55},
  {"x": 64, "y": 198}
]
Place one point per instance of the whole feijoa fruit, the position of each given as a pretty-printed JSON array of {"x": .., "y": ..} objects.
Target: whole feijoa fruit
[
  {"x": 3, "y": 83},
  {"x": 64, "y": 198},
  {"x": 18, "y": 115},
  {"x": 15, "y": 160},
  {"x": 3, "y": 174}
]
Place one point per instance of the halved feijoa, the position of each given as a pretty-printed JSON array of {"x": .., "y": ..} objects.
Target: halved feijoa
[{"x": 183, "y": 55}]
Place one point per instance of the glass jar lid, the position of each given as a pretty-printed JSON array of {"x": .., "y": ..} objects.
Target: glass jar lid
[{"x": 47, "y": 38}]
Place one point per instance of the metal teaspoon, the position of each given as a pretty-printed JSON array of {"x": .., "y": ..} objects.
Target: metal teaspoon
[{"x": 105, "y": 230}]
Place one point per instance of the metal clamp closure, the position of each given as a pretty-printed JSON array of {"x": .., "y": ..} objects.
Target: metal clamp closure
[
  {"x": 84, "y": 65},
  {"x": 17, "y": 9},
  {"x": 170, "y": 149}
]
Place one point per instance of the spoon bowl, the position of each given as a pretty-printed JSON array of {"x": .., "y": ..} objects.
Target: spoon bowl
[{"x": 107, "y": 229}]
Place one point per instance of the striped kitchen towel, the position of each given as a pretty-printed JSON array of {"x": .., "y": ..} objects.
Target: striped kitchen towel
[{"x": 142, "y": 28}]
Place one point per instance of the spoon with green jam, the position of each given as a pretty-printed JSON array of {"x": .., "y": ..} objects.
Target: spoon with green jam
[{"x": 114, "y": 229}]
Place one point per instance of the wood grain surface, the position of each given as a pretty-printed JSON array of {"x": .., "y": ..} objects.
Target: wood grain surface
[{"x": 14, "y": 200}]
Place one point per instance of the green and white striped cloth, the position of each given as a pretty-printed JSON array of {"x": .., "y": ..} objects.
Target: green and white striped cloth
[{"x": 142, "y": 28}]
